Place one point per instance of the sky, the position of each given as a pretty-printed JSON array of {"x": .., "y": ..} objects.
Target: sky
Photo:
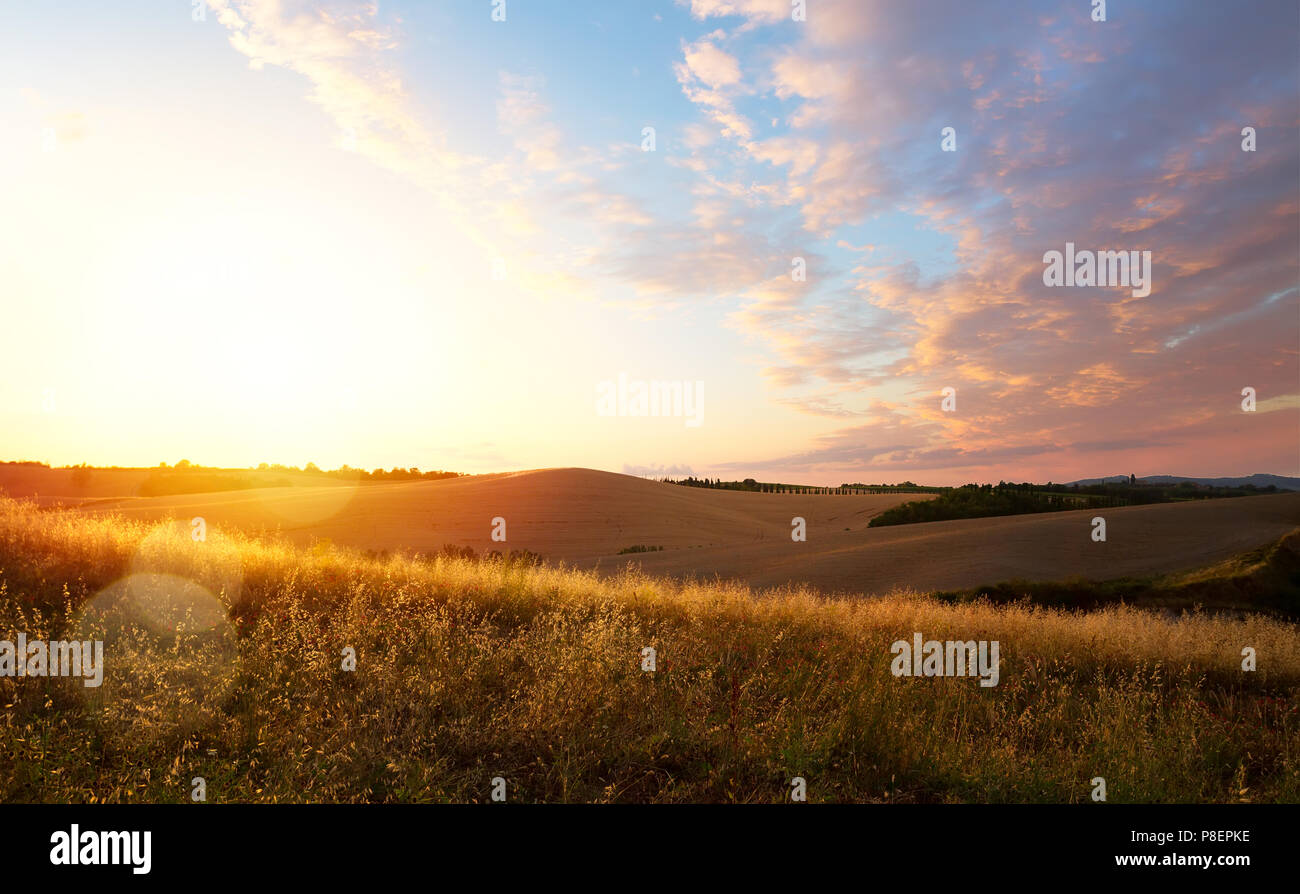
[{"x": 440, "y": 234}]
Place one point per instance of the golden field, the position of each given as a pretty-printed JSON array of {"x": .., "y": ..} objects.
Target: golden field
[{"x": 224, "y": 662}]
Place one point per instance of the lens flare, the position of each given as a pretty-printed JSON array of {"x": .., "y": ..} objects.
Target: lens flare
[{"x": 170, "y": 656}]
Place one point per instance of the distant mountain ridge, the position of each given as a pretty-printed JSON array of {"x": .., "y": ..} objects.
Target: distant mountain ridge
[{"x": 1281, "y": 482}]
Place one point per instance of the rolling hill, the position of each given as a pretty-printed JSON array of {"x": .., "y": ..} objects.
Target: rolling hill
[{"x": 585, "y": 518}]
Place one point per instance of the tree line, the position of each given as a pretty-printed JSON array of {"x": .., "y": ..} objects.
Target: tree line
[
  {"x": 772, "y": 487},
  {"x": 1006, "y": 498}
]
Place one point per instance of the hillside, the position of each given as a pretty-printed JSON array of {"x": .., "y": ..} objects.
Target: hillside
[
  {"x": 586, "y": 518},
  {"x": 574, "y": 515}
]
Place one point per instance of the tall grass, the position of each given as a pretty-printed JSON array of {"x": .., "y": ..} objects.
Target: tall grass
[{"x": 224, "y": 662}]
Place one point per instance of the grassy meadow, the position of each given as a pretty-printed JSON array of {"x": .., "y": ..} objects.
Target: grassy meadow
[{"x": 224, "y": 661}]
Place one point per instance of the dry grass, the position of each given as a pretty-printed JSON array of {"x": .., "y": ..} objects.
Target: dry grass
[{"x": 472, "y": 670}]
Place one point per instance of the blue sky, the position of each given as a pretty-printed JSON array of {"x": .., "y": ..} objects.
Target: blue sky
[{"x": 292, "y": 208}]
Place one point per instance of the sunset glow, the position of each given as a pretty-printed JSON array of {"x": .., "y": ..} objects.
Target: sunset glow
[{"x": 405, "y": 234}]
